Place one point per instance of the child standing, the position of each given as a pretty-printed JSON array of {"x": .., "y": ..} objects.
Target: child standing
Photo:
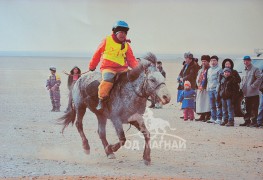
[
  {"x": 187, "y": 98},
  {"x": 53, "y": 83},
  {"x": 228, "y": 87}
]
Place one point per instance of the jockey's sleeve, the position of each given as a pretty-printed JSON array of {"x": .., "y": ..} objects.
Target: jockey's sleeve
[
  {"x": 97, "y": 55},
  {"x": 131, "y": 60}
]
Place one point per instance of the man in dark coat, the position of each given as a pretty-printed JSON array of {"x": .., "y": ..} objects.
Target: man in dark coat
[{"x": 189, "y": 71}]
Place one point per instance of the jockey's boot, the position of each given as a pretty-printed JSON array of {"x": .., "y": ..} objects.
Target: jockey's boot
[
  {"x": 103, "y": 93},
  {"x": 100, "y": 105}
]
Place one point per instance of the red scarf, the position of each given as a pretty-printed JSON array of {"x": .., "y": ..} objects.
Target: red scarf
[{"x": 120, "y": 42}]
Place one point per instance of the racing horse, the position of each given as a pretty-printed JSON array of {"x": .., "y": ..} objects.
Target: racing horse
[{"x": 126, "y": 103}]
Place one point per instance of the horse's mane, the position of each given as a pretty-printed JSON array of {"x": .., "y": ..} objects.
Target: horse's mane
[{"x": 151, "y": 57}]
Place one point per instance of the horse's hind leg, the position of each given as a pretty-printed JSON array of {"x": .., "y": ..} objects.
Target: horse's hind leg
[
  {"x": 85, "y": 144},
  {"x": 137, "y": 121},
  {"x": 102, "y": 133},
  {"x": 122, "y": 139}
]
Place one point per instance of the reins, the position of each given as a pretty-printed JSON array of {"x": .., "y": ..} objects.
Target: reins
[{"x": 143, "y": 88}]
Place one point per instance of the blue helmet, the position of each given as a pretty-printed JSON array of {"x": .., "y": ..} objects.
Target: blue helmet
[{"x": 120, "y": 26}]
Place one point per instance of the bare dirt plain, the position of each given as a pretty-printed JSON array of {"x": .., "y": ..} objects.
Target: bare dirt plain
[{"x": 32, "y": 146}]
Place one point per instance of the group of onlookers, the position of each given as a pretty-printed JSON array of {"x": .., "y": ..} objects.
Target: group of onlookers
[{"x": 217, "y": 90}]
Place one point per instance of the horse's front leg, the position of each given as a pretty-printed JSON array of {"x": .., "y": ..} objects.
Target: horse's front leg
[
  {"x": 137, "y": 121},
  {"x": 85, "y": 144},
  {"x": 122, "y": 139},
  {"x": 102, "y": 133}
]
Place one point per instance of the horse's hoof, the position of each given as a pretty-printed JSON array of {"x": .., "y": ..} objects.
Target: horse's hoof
[
  {"x": 114, "y": 148},
  {"x": 111, "y": 156},
  {"x": 147, "y": 163},
  {"x": 87, "y": 151}
]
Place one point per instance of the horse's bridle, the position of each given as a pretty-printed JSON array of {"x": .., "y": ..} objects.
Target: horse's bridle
[{"x": 143, "y": 87}]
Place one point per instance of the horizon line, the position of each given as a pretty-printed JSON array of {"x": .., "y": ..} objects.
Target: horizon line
[{"x": 89, "y": 55}]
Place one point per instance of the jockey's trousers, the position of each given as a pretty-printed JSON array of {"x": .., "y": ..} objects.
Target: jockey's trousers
[{"x": 106, "y": 84}]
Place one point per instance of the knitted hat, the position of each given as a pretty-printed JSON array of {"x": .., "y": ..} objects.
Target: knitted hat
[
  {"x": 187, "y": 83},
  {"x": 227, "y": 69}
]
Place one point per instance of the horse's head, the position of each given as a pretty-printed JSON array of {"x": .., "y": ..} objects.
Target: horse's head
[{"x": 154, "y": 82}]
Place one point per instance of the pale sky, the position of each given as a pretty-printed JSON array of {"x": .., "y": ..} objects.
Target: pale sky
[{"x": 163, "y": 26}]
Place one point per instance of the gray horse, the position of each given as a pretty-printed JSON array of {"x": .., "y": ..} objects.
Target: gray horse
[{"x": 126, "y": 104}]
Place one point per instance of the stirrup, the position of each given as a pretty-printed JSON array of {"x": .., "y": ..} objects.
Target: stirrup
[{"x": 100, "y": 105}]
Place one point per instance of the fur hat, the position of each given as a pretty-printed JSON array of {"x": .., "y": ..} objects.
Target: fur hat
[
  {"x": 227, "y": 69},
  {"x": 188, "y": 55},
  {"x": 206, "y": 58}
]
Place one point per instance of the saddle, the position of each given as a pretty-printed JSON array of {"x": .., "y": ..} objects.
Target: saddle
[{"x": 121, "y": 76}]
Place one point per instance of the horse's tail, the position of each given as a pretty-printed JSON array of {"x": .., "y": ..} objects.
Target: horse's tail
[{"x": 68, "y": 118}]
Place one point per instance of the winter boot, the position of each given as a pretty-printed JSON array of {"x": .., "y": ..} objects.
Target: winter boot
[
  {"x": 224, "y": 122},
  {"x": 230, "y": 123},
  {"x": 254, "y": 123},
  {"x": 246, "y": 123},
  {"x": 201, "y": 118},
  {"x": 57, "y": 109},
  {"x": 207, "y": 116},
  {"x": 152, "y": 106},
  {"x": 53, "y": 109}
]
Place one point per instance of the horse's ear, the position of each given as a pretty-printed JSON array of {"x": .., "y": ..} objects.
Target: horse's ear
[
  {"x": 145, "y": 64},
  {"x": 151, "y": 58}
]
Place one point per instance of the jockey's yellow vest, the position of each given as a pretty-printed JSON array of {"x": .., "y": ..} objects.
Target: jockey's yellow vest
[{"x": 113, "y": 51}]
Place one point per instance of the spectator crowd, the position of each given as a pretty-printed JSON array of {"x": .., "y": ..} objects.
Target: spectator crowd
[{"x": 214, "y": 90}]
